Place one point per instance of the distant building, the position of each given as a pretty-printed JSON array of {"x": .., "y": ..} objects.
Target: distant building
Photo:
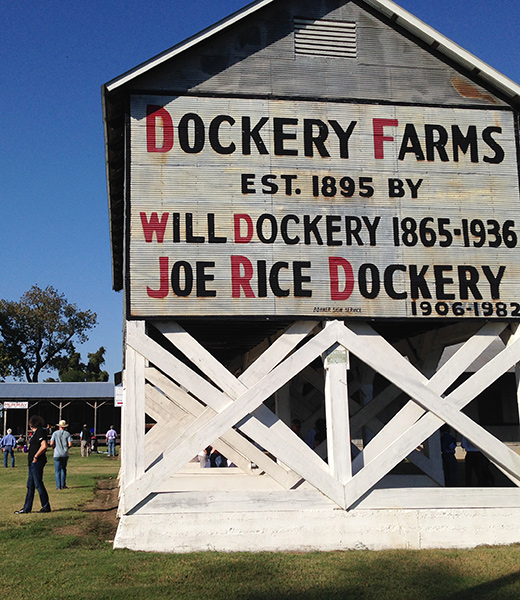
[{"x": 77, "y": 403}]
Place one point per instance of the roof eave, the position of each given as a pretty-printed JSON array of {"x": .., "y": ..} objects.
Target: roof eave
[
  {"x": 445, "y": 46},
  {"x": 185, "y": 45}
]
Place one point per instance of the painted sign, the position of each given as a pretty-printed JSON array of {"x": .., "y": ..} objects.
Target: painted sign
[
  {"x": 119, "y": 396},
  {"x": 16, "y": 405},
  {"x": 250, "y": 207}
]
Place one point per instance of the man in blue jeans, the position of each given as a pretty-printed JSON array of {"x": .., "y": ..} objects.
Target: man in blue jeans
[
  {"x": 8, "y": 444},
  {"x": 37, "y": 459},
  {"x": 61, "y": 441},
  {"x": 111, "y": 441}
]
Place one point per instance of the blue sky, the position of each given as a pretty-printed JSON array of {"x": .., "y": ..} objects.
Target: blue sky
[{"x": 55, "y": 55}]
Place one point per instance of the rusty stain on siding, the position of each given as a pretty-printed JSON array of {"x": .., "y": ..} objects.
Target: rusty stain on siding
[{"x": 466, "y": 90}]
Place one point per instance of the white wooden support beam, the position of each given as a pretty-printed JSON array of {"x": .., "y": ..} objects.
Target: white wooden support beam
[
  {"x": 517, "y": 387},
  {"x": 400, "y": 372},
  {"x": 513, "y": 332},
  {"x": 261, "y": 424},
  {"x": 508, "y": 337},
  {"x": 217, "y": 372},
  {"x": 371, "y": 410},
  {"x": 429, "y": 355},
  {"x": 337, "y": 414},
  {"x": 169, "y": 426},
  {"x": 448, "y": 336},
  {"x": 255, "y": 427},
  {"x": 160, "y": 406},
  {"x": 439, "y": 382},
  {"x": 282, "y": 398},
  {"x": 133, "y": 416},
  {"x": 170, "y": 422},
  {"x": 208, "y": 427},
  {"x": 314, "y": 377},
  {"x": 281, "y": 348},
  {"x": 233, "y": 438}
]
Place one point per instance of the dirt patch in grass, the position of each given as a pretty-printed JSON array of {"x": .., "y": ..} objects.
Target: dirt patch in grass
[
  {"x": 102, "y": 513},
  {"x": 105, "y": 499},
  {"x": 103, "y": 508}
]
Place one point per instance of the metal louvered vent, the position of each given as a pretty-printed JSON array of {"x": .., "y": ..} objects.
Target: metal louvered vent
[{"x": 325, "y": 38}]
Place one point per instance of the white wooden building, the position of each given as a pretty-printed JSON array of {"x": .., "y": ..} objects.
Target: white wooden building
[{"x": 311, "y": 202}]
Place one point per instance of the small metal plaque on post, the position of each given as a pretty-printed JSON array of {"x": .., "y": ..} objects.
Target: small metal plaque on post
[{"x": 337, "y": 355}]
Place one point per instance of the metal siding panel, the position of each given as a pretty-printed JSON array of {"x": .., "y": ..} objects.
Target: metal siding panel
[
  {"x": 47, "y": 391},
  {"x": 210, "y": 183},
  {"x": 332, "y": 78},
  {"x": 270, "y": 66}
]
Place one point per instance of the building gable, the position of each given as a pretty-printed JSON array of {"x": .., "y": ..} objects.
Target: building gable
[
  {"x": 393, "y": 58},
  {"x": 258, "y": 56}
]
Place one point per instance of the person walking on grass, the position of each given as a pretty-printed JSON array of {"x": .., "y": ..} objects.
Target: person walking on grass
[
  {"x": 111, "y": 436},
  {"x": 8, "y": 443},
  {"x": 85, "y": 443},
  {"x": 61, "y": 441},
  {"x": 37, "y": 460}
]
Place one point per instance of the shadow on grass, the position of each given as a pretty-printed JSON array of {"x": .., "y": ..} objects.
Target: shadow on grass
[
  {"x": 359, "y": 576},
  {"x": 496, "y": 589},
  {"x": 100, "y": 510}
]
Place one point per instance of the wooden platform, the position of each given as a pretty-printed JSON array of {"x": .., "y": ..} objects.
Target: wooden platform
[
  {"x": 284, "y": 495},
  {"x": 305, "y": 520}
]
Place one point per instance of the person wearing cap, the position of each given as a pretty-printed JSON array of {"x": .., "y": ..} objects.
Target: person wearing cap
[
  {"x": 8, "y": 444},
  {"x": 61, "y": 441},
  {"x": 37, "y": 460}
]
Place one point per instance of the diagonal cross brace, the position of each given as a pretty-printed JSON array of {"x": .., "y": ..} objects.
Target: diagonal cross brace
[
  {"x": 240, "y": 443},
  {"x": 262, "y": 425},
  {"x": 439, "y": 382},
  {"x": 405, "y": 376},
  {"x": 209, "y": 426}
]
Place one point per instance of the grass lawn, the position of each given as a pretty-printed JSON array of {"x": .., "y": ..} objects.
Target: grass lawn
[{"x": 68, "y": 554}]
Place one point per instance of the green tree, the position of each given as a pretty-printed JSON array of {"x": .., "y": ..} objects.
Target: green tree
[
  {"x": 39, "y": 329},
  {"x": 5, "y": 363},
  {"x": 70, "y": 368},
  {"x": 95, "y": 360}
]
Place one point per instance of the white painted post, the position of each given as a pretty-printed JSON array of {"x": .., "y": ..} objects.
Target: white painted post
[
  {"x": 517, "y": 377},
  {"x": 337, "y": 413},
  {"x": 133, "y": 425},
  {"x": 513, "y": 329}
]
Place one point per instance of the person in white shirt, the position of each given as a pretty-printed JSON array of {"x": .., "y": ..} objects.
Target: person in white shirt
[
  {"x": 111, "y": 436},
  {"x": 8, "y": 443}
]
